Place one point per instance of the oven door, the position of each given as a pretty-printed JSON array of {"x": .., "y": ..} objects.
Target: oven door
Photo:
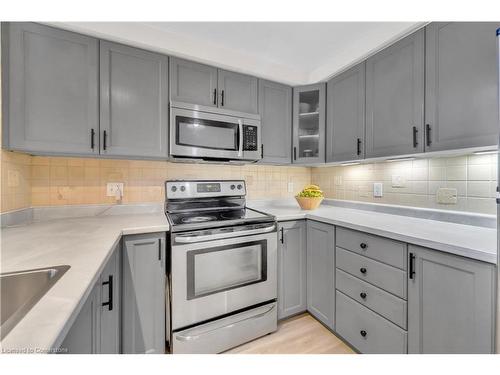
[
  {"x": 213, "y": 278},
  {"x": 207, "y": 135}
]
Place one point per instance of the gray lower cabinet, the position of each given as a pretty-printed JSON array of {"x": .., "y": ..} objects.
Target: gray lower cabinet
[
  {"x": 143, "y": 297},
  {"x": 345, "y": 116},
  {"x": 291, "y": 268},
  {"x": 134, "y": 102},
  {"x": 50, "y": 90},
  {"x": 461, "y": 91},
  {"x": 395, "y": 98},
  {"x": 238, "y": 92},
  {"x": 320, "y": 272},
  {"x": 96, "y": 329},
  {"x": 450, "y": 303},
  {"x": 275, "y": 108},
  {"x": 193, "y": 83}
]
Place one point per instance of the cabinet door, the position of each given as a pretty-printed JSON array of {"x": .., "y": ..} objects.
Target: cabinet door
[
  {"x": 134, "y": 102},
  {"x": 345, "y": 126},
  {"x": 193, "y": 83},
  {"x": 50, "y": 90},
  {"x": 450, "y": 304},
  {"x": 320, "y": 272},
  {"x": 83, "y": 336},
  {"x": 238, "y": 92},
  {"x": 109, "y": 306},
  {"x": 275, "y": 108},
  {"x": 395, "y": 98},
  {"x": 292, "y": 268},
  {"x": 143, "y": 304},
  {"x": 461, "y": 91},
  {"x": 309, "y": 124}
]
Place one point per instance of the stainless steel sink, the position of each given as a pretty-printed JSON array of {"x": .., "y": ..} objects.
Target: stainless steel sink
[{"x": 21, "y": 290}]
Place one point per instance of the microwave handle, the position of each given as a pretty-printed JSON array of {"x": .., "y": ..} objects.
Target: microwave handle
[{"x": 240, "y": 131}]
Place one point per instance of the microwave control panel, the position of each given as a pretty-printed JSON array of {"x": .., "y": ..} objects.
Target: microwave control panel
[{"x": 249, "y": 138}]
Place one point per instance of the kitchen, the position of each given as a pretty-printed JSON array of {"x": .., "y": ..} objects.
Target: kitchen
[{"x": 163, "y": 198}]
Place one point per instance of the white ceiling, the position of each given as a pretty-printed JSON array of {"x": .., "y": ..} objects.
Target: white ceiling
[{"x": 291, "y": 52}]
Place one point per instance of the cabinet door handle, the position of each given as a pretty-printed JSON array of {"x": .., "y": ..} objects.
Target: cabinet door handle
[
  {"x": 362, "y": 333},
  {"x": 92, "y": 138},
  {"x": 363, "y": 245},
  {"x": 159, "y": 249},
  {"x": 104, "y": 136},
  {"x": 359, "y": 146},
  {"x": 412, "y": 266},
  {"x": 362, "y": 270},
  {"x": 415, "y": 140},
  {"x": 362, "y": 295},
  {"x": 215, "y": 96},
  {"x": 262, "y": 151},
  {"x": 295, "y": 153},
  {"x": 222, "y": 98},
  {"x": 109, "y": 283},
  {"x": 428, "y": 134},
  {"x": 282, "y": 235}
]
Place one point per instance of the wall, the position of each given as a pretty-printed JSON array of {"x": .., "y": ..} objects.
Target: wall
[{"x": 473, "y": 176}]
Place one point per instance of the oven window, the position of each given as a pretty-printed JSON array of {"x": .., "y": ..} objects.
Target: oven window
[
  {"x": 223, "y": 268},
  {"x": 203, "y": 133}
]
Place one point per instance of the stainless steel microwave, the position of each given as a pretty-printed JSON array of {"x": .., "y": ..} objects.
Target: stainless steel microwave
[{"x": 214, "y": 135}]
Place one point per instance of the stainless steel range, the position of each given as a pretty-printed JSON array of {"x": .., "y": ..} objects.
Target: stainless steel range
[{"x": 223, "y": 278}]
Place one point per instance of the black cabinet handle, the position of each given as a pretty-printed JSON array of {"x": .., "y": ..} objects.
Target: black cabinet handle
[
  {"x": 428, "y": 134},
  {"x": 262, "y": 151},
  {"x": 109, "y": 283},
  {"x": 362, "y": 333},
  {"x": 104, "y": 136},
  {"x": 92, "y": 137},
  {"x": 415, "y": 140},
  {"x": 359, "y": 146},
  {"x": 215, "y": 96},
  {"x": 295, "y": 153},
  {"x": 412, "y": 266},
  {"x": 362, "y": 245},
  {"x": 362, "y": 270},
  {"x": 222, "y": 98},
  {"x": 282, "y": 235},
  {"x": 362, "y": 295},
  {"x": 159, "y": 249}
]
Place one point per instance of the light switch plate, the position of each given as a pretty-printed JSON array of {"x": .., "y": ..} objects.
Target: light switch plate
[
  {"x": 398, "y": 181},
  {"x": 290, "y": 187},
  {"x": 378, "y": 189},
  {"x": 338, "y": 180},
  {"x": 112, "y": 188},
  {"x": 447, "y": 196}
]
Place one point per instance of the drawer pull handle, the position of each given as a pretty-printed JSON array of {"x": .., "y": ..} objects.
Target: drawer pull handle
[
  {"x": 362, "y": 295},
  {"x": 362, "y": 270},
  {"x": 363, "y": 245},
  {"x": 363, "y": 333}
]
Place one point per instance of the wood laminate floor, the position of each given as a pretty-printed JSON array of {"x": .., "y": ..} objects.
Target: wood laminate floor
[{"x": 301, "y": 334}]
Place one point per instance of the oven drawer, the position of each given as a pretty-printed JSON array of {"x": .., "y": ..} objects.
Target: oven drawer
[
  {"x": 226, "y": 333},
  {"x": 383, "y": 303},
  {"x": 366, "y": 331},
  {"x": 386, "y": 277}
]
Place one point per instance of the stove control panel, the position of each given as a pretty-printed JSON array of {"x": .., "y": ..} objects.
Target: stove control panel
[{"x": 183, "y": 189}]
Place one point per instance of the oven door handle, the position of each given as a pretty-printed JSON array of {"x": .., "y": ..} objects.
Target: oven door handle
[
  {"x": 230, "y": 325},
  {"x": 240, "y": 131},
  {"x": 190, "y": 239}
]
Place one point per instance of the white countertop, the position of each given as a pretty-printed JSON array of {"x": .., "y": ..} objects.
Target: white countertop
[
  {"x": 466, "y": 240},
  {"x": 85, "y": 244}
]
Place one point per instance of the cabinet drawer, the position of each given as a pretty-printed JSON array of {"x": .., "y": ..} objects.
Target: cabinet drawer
[
  {"x": 367, "y": 331},
  {"x": 375, "y": 247},
  {"x": 383, "y": 303},
  {"x": 379, "y": 274}
]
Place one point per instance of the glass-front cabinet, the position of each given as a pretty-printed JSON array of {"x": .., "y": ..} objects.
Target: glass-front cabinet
[{"x": 309, "y": 124}]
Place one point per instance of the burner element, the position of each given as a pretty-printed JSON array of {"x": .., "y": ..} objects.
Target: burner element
[{"x": 197, "y": 219}]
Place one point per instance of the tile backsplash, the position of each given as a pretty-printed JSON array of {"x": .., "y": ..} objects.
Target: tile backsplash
[{"x": 474, "y": 177}]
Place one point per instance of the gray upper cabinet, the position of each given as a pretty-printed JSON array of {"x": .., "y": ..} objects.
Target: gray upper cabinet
[
  {"x": 275, "y": 108},
  {"x": 450, "y": 303},
  {"x": 320, "y": 272},
  {"x": 292, "y": 268},
  {"x": 50, "y": 90},
  {"x": 193, "y": 83},
  {"x": 345, "y": 126},
  {"x": 395, "y": 98},
  {"x": 309, "y": 124},
  {"x": 461, "y": 96},
  {"x": 134, "y": 102},
  {"x": 143, "y": 302},
  {"x": 238, "y": 92}
]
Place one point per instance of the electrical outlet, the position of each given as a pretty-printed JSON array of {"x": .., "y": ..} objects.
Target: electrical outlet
[
  {"x": 398, "y": 181},
  {"x": 114, "y": 188},
  {"x": 338, "y": 180},
  {"x": 12, "y": 178},
  {"x": 378, "y": 190},
  {"x": 290, "y": 187},
  {"x": 447, "y": 196}
]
